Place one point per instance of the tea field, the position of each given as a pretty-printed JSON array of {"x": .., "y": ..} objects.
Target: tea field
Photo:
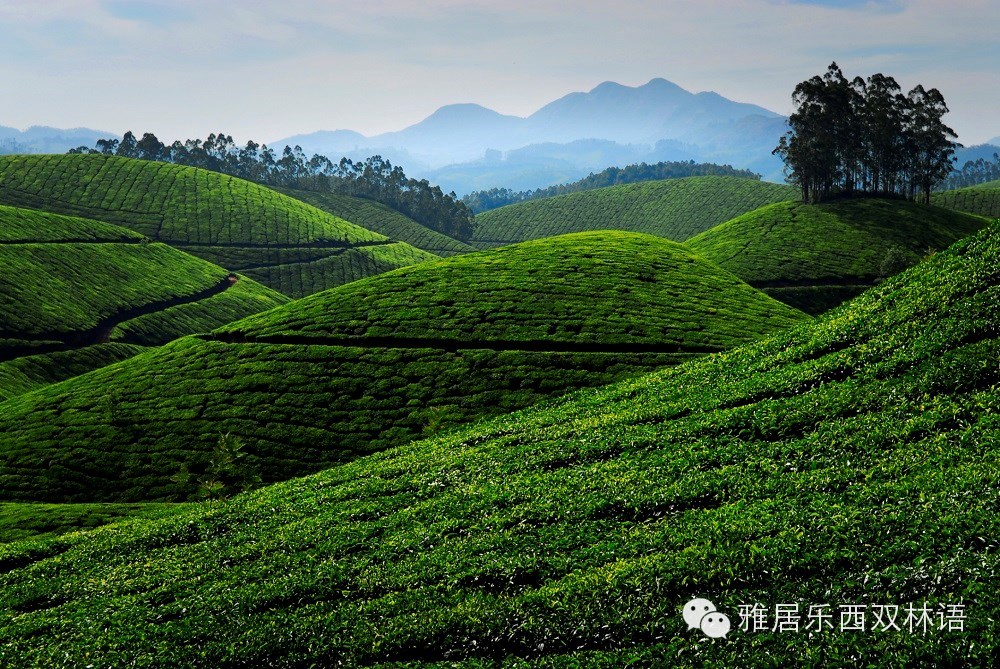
[
  {"x": 604, "y": 287},
  {"x": 814, "y": 257},
  {"x": 983, "y": 199},
  {"x": 379, "y": 218},
  {"x": 207, "y": 214},
  {"x": 368, "y": 366},
  {"x": 28, "y": 372},
  {"x": 673, "y": 209},
  {"x": 850, "y": 460}
]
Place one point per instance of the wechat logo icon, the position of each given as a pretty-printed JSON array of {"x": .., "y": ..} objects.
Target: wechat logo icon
[{"x": 701, "y": 614}]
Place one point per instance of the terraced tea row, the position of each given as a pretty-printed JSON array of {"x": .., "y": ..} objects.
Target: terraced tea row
[
  {"x": 673, "y": 209},
  {"x": 379, "y": 218},
  {"x": 214, "y": 216},
  {"x": 983, "y": 200},
  {"x": 88, "y": 282},
  {"x": 301, "y": 404},
  {"x": 814, "y": 257},
  {"x": 606, "y": 287},
  {"x": 848, "y": 461},
  {"x": 308, "y": 276},
  {"x": 29, "y": 372}
]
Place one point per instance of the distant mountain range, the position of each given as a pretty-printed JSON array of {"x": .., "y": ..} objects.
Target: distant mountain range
[
  {"x": 44, "y": 139},
  {"x": 465, "y": 147}
]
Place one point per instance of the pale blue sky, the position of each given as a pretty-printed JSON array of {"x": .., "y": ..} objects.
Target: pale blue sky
[{"x": 270, "y": 69}]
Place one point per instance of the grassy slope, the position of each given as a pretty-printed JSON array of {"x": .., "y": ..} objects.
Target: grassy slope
[
  {"x": 674, "y": 209},
  {"x": 816, "y": 256},
  {"x": 198, "y": 211},
  {"x": 853, "y": 460},
  {"x": 121, "y": 434},
  {"x": 384, "y": 220},
  {"x": 604, "y": 287},
  {"x": 983, "y": 199}
]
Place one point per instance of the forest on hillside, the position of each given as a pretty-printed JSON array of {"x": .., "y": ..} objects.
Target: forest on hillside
[{"x": 374, "y": 178}]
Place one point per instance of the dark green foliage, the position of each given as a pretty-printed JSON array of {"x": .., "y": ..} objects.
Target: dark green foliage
[
  {"x": 29, "y": 372},
  {"x": 605, "y": 287},
  {"x": 674, "y": 209},
  {"x": 973, "y": 173},
  {"x": 381, "y": 219},
  {"x": 480, "y": 201},
  {"x": 850, "y": 460},
  {"x": 983, "y": 200},
  {"x": 865, "y": 135},
  {"x": 22, "y": 520},
  {"x": 815, "y": 256},
  {"x": 123, "y": 435}
]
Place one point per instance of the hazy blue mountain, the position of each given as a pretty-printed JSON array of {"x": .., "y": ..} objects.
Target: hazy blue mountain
[
  {"x": 467, "y": 146},
  {"x": 644, "y": 114},
  {"x": 547, "y": 164},
  {"x": 984, "y": 151},
  {"x": 456, "y": 133},
  {"x": 325, "y": 142},
  {"x": 44, "y": 139},
  {"x": 995, "y": 141}
]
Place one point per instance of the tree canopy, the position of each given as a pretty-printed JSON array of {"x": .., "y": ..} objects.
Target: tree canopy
[
  {"x": 973, "y": 173},
  {"x": 374, "y": 179},
  {"x": 865, "y": 136}
]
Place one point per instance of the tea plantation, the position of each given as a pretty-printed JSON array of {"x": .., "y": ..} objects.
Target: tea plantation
[
  {"x": 852, "y": 460},
  {"x": 603, "y": 287},
  {"x": 26, "y": 373},
  {"x": 983, "y": 199},
  {"x": 446, "y": 352},
  {"x": 85, "y": 275},
  {"x": 674, "y": 209},
  {"x": 20, "y": 521},
  {"x": 814, "y": 257},
  {"x": 214, "y": 216},
  {"x": 377, "y": 217},
  {"x": 70, "y": 285}
]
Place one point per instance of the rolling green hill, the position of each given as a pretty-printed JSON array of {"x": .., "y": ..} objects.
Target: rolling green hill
[
  {"x": 71, "y": 285},
  {"x": 604, "y": 287},
  {"x": 852, "y": 460},
  {"x": 233, "y": 223},
  {"x": 814, "y": 257},
  {"x": 384, "y": 220},
  {"x": 674, "y": 209},
  {"x": 376, "y": 363},
  {"x": 983, "y": 199}
]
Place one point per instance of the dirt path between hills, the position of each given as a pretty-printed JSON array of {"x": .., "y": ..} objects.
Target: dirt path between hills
[{"x": 101, "y": 333}]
